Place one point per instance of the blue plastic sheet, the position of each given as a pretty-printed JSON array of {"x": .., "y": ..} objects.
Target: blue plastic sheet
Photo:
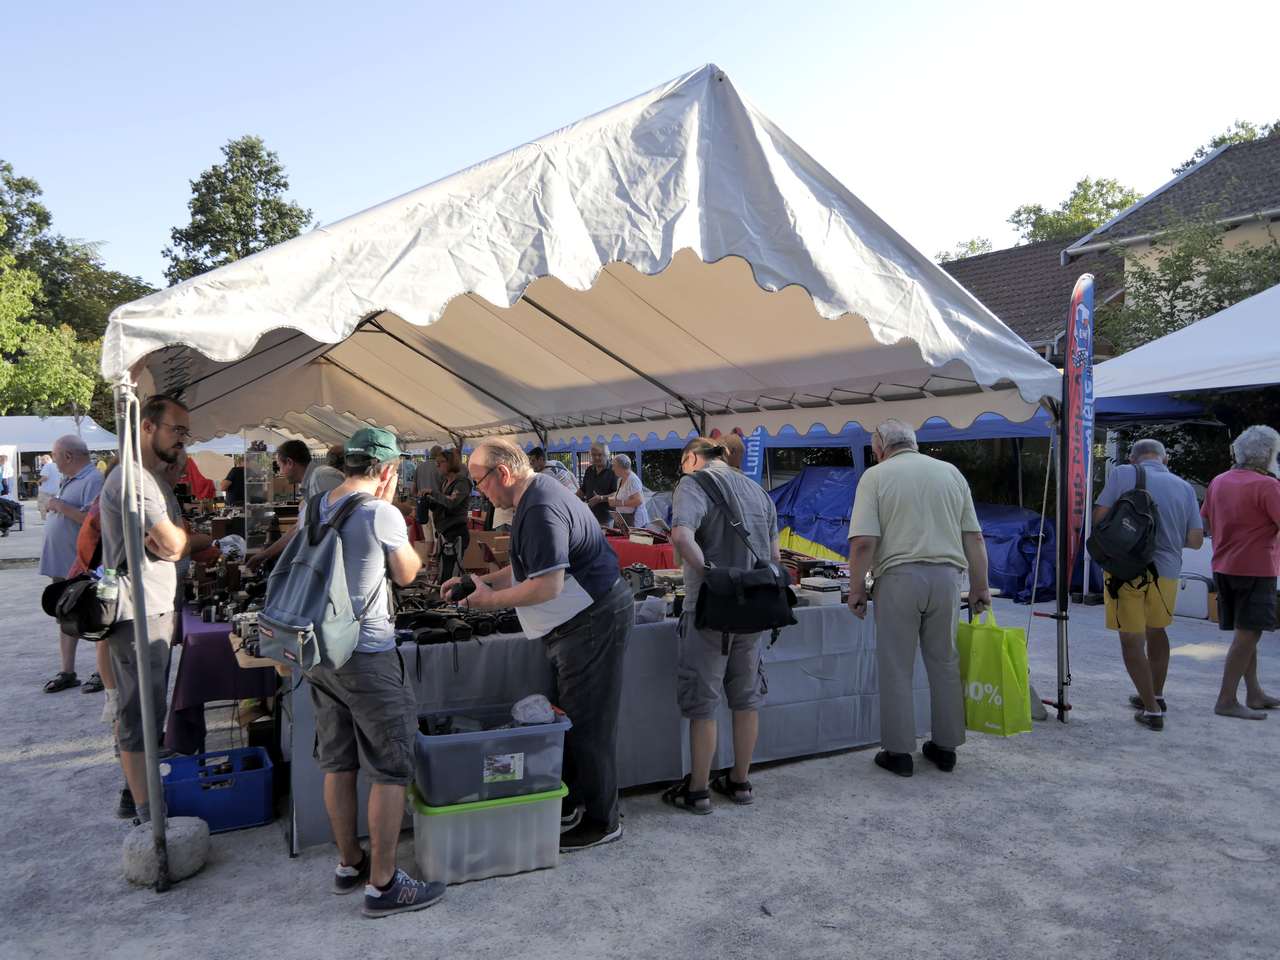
[{"x": 816, "y": 504}]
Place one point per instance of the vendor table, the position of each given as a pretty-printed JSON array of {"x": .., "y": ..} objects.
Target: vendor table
[
  {"x": 822, "y": 696},
  {"x": 655, "y": 556},
  {"x": 207, "y": 671}
]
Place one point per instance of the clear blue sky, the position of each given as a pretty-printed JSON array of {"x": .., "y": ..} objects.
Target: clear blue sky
[{"x": 942, "y": 117}]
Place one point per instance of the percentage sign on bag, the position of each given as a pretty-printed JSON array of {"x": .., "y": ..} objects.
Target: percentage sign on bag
[{"x": 992, "y": 695}]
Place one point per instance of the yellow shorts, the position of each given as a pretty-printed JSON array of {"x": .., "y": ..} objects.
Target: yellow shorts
[{"x": 1136, "y": 609}]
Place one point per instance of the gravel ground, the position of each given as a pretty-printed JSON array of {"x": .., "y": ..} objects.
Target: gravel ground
[{"x": 1092, "y": 839}]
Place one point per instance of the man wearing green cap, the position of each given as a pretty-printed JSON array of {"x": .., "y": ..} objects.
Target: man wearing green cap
[{"x": 365, "y": 708}]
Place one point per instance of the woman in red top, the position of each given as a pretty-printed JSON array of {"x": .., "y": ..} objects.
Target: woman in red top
[{"x": 1242, "y": 516}]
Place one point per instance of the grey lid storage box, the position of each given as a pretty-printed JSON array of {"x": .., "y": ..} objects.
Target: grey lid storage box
[
  {"x": 491, "y": 838},
  {"x": 488, "y": 764}
]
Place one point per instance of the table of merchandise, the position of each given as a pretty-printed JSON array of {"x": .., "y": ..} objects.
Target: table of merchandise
[
  {"x": 207, "y": 671},
  {"x": 823, "y": 695},
  {"x": 655, "y": 556}
]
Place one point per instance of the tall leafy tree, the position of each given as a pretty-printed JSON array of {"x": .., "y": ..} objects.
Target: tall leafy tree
[
  {"x": 77, "y": 288},
  {"x": 57, "y": 296},
  {"x": 1090, "y": 204},
  {"x": 238, "y": 207},
  {"x": 1242, "y": 131},
  {"x": 42, "y": 369},
  {"x": 1196, "y": 276},
  {"x": 25, "y": 217}
]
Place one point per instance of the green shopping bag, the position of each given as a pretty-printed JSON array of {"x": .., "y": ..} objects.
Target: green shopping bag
[{"x": 993, "y": 668}]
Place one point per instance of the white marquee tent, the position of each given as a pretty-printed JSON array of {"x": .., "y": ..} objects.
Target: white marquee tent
[
  {"x": 36, "y": 434},
  {"x": 673, "y": 261},
  {"x": 1235, "y": 347}
]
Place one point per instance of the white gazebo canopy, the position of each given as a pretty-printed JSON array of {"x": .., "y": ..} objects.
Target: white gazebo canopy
[
  {"x": 1235, "y": 347},
  {"x": 670, "y": 262},
  {"x": 36, "y": 434}
]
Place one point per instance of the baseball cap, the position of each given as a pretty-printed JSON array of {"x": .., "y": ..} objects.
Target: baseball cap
[{"x": 374, "y": 443}]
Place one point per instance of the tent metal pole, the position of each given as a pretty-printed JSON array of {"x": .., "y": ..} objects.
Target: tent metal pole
[
  {"x": 696, "y": 415},
  {"x": 1064, "y": 573},
  {"x": 127, "y": 423},
  {"x": 1017, "y": 454}
]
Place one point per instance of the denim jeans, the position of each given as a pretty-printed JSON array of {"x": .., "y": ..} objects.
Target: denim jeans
[{"x": 586, "y": 655}]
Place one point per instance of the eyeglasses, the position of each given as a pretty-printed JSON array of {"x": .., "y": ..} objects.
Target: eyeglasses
[
  {"x": 181, "y": 432},
  {"x": 485, "y": 477}
]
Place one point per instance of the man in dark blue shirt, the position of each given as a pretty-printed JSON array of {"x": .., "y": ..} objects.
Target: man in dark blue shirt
[{"x": 564, "y": 584}]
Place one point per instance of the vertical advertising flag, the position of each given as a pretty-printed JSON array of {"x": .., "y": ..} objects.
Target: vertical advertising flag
[{"x": 1077, "y": 407}]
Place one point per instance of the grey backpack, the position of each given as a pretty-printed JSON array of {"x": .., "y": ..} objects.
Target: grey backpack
[{"x": 308, "y": 618}]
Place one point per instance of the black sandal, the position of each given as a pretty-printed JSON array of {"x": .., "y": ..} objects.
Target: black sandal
[
  {"x": 63, "y": 681},
  {"x": 739, "y": 793},
  {"x": 695, "y": 801},
  {"x": 93, "y": 685}
]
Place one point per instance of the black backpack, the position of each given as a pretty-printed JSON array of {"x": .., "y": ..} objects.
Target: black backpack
[
  {"x": 1123, "y": 543},
  {"x": 734, "y": 600}
]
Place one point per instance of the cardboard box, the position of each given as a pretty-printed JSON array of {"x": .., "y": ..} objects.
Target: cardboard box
[{"x": 474, "y": 560}]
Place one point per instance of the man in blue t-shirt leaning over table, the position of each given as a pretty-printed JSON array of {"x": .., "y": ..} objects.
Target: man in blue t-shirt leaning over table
[{"x": 564, "y": 584}]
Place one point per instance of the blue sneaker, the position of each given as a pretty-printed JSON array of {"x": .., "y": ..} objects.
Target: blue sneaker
[
  {"x": 405, "y": 894},
  {"x": 349, "y": 879}
]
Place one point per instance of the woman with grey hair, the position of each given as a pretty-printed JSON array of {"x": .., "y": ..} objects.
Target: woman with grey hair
[
  {"x": 629, "y": 500},
  {"x": 1256, "y": 448},
  {"x": 1242, "y": 516}
]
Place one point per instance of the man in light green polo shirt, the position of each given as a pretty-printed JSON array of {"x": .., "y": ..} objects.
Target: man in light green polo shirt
[{"x": 914, "y": 524}]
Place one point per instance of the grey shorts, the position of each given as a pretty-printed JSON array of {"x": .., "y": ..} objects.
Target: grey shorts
[
  {"x": 366, "y": 713},
  {"x": 702, "y": 670},
  {"x": 124, "y": 663}
]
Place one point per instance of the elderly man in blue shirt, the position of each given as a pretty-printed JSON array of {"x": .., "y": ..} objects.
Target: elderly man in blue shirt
[{"x": 80, "y": 485}]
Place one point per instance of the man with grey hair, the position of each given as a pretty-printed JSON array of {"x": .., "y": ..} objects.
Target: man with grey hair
[
  {"x": 564, "y": 584},
  {"x": 599, "y": 483},
  {"x": 1242, "y": 512},
  {"x": 80, "y": 485},
  {"x": 914, "y": 524},
  {"x": 1141, "y": 609}
]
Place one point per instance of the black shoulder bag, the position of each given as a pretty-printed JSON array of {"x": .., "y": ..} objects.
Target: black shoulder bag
[{"x": 737, "y": 600}]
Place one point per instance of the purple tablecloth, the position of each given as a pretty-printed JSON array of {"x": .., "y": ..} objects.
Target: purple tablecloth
[{"x": 207, "y": 671}]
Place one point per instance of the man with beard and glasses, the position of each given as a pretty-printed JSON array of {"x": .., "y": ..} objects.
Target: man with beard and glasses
[{"x": 165, "y": 429}]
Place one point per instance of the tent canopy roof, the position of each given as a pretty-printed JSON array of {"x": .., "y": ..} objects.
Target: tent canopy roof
[
  {"x": 36, "y": 434},
  {"x": 1232, "y": 348},
  {"x": 671, "y": 259}
]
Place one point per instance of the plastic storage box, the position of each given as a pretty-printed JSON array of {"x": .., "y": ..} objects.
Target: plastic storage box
[
  {"x": 488, "y": 764},
  {"x": 228, "y": 790},
  {"x": 489, "y": 838}
]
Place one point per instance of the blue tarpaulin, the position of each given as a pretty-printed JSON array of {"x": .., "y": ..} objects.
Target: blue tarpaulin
[{"x": 813, "y": 517}]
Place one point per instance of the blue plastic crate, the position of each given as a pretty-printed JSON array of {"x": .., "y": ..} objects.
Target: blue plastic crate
[{"x": 227, "y": 789}]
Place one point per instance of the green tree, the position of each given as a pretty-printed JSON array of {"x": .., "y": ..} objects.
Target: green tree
[
  {"x": 237, "y": 207},
  {"x": 968, "y": 248},
  {"x": 77, "y": 289},
  {"x": 25, "y": 216},
  {"x": 1195, "y": 276},
  {"x": 42, "y": 369},
  {"x": 1090, "y": 204},
  {"x": 1242, "y": 131}
]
